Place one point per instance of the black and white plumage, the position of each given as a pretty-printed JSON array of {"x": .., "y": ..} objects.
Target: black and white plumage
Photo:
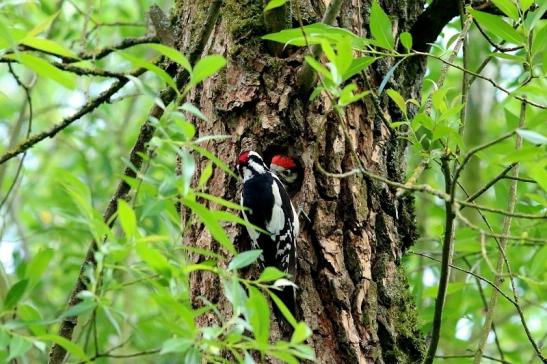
[{"x": 268, "y": 206}]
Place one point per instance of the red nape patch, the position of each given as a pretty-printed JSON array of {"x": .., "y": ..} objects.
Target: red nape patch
[
  {"x": 283, "y": 161},
  {"x": 243, "y": 158}
]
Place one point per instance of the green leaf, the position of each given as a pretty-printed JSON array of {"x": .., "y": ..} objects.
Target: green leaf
[
  {"x": 206, "y": 174},
  {"x": 535, "y": 16},
  {"x": 79, "y": 309},
  {"x": 38, "y": 265},
  {"x": 154, "y": 259},
  {"x": 301, "y": 333},
  {"x": 380, "y": 27},
  {"x": 272, "y": 4},
  {"x": 172, "y": 54},
  {"x": 318, "y": 67},
  {"x": 176, "y": 345},
  {"x": 15, "y": 294},
  {"x": 32, "y": 315},
  {"x": 219, "y": 201},
  {"x": 357, "y": 65},
  {"x": 192, "y": 109},
  {"x": 259, "y": 315},
  {"x": 235, "y": 293},
  {"x": 67, "y": 344},
  {"x": 270, "y": 274},
  {"x": 304, "y": 352},
  {"x": 398, "y": 99},
  {"x": 406, "y": 40},
  {"x": 211, "y": 223},
  {"x": 217, "y": 161},
  {"x": 508, "y": 8},
  {"x": 532, "y": 136},
  {"x": 244, "y": 259},
  {"x": 127, "y": 218},
  {"x": 283, "y": 308},
  {"x": 18, "y": 346},
  {"x": 496, "y": 25},
  {"x": 316, "y": 33},
  {"x": 207, "y": 66},
  {"x": 44, "y": 24},
  {"x": 139, "y": 62},
  {"x": 539, "y": 174},
  {"x": 48, "y": 45},
  {"x": 388, "y": 76},
  {"x": 44, "y": 69},
  {"x": 525, "y": 4}
]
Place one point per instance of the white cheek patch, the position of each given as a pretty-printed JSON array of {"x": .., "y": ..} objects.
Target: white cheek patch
[{"x": 277, "y": 221}]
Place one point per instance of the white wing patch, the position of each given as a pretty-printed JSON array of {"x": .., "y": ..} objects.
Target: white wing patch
[{"x": 277, "y": 221}]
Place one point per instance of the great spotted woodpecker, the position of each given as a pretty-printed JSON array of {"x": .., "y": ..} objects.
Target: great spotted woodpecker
[
  {"x": 267, "y": 205},
  {"x": 288, "y": 171}
]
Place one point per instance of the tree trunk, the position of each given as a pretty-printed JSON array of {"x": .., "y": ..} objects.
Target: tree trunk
[{"x": 352, "y": 292}]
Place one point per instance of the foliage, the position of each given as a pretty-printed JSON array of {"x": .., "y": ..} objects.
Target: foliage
[{"x": 138, "y": 302}]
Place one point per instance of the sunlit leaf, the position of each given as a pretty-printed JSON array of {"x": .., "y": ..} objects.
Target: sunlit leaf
[
  {"x": 380, "y": 26},
  {"x": 272, "y": 4},
  {"x": 68, "y": 345},
  {"x": 49, "y": 46},
  {"x": 127, "y": 219},
  {"x": 15, "y": 294},
  {"x": 44, "y": 69},
  {"x": 406, "y": 40},
  {"x": 244, "y": 259},
  {"x": 508, "y": 8}
]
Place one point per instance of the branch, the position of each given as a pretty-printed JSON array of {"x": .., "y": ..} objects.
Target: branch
[
  {"x": 448, "y": 251},
  {"x": 66, "y": 328},
  {"x": 87, "y": 108},
  {"x": 497, "y": 235},
  {"x": 492, "y": 182},
  {"x": 496, "y": 47},
  {"x": 81, "y": 71}
]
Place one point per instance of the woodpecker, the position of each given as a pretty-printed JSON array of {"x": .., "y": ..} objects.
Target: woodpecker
[
  {"x": 267, "y": 205},
  {"x": 288, "y": 171}
]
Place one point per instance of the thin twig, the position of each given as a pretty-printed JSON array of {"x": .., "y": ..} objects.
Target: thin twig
[
  {"x": 470, "y": 356},
  {"x": 477, "y": 276},
  {"x": 492, "y": 182},
  {"x": 28, "y": 98}
]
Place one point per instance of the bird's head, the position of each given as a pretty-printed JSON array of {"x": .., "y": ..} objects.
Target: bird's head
[
  {"x": 285, "y": 168},
  {"x": 249, "y": 164}
]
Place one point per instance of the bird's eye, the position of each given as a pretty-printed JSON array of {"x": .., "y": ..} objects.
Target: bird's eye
[{"x": 288, "y": 172}]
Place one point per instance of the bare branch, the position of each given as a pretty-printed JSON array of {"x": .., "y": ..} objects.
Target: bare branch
[
  {"x": 447, "y": 254},
  {"x": 87, "y": 108}
]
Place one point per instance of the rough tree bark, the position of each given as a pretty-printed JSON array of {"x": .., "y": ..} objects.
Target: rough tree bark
[{"x": 353, "y": 292}]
